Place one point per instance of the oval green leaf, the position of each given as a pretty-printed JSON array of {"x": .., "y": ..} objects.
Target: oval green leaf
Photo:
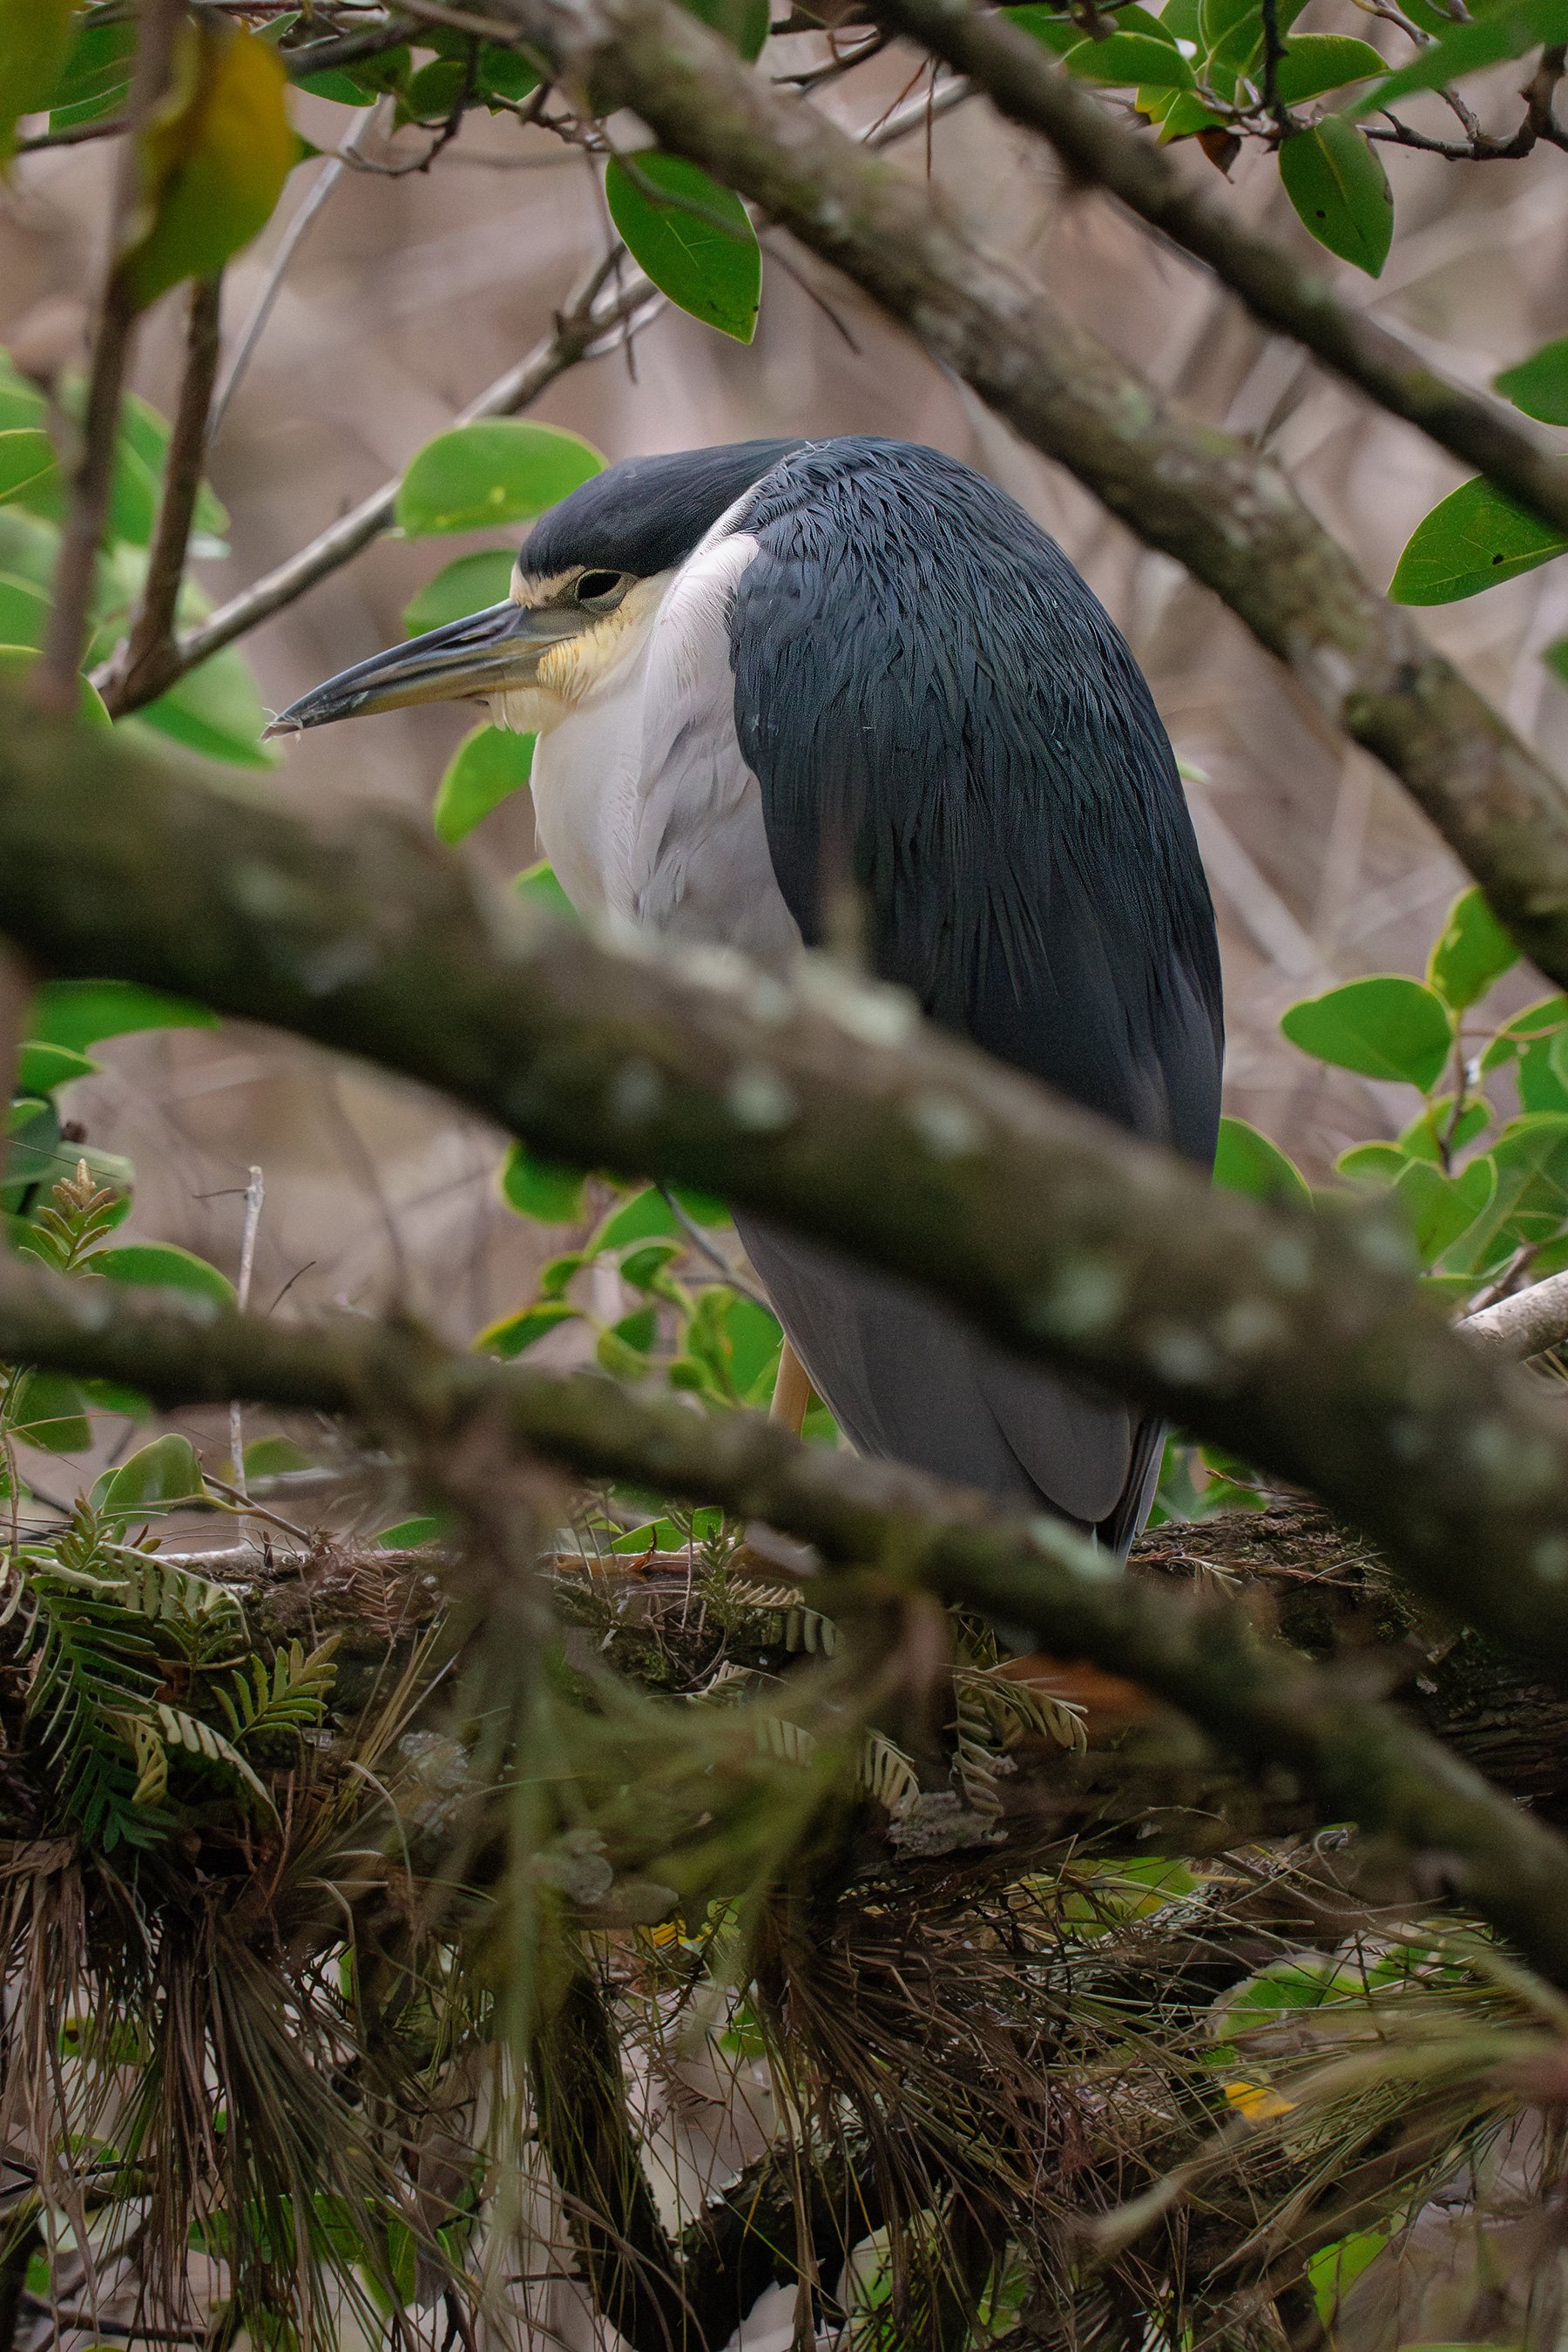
[
  {"x": 1127, "y": 59},
  {"x": 46, "y": 1410},
  {"x": 1385, "y": 1027},
  {"x": 1471, "y": 952},
  {"x": 215, "y": 710},
  {"x": 161, "y": 1266},
  {"x": 538, "y": 886},
  {"x": 1334, "y": 177},
  {"x": 502, "y": 469},
  {"x": 41, "y": 1068},
  {"x": 27, "y": 462},
  {"x": 541, "y": 1189},
  {"x": 1471, "y": 541},
  {"x": 1508, "y": 31},
  {"x": 96, "y": 79},
  {"x": 34, "y": 43},
  {"x": 1316, "y": 62},
  {"x": 513, "y": 1333},
  {"x": 466, "y": 586},
  {"x": 487, "y": 767},
  {"x": 1247, "y": 1161},
  {"x": 82, "y": 1012},
  {"x": 691, "y": 236},
  {"x": 1539, "y": 386},
  {"x": 158, "y": 1478}
]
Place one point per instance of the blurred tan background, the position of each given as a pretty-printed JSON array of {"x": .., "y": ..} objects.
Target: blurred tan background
[{"x": 410, "y": 293}]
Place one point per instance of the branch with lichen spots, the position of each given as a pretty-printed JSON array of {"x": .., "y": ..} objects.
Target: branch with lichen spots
[
  {"x": 1212, "y": 500},
  {"x": 878, "y": 1527},
  {"x": 1300, "y": 1341}
]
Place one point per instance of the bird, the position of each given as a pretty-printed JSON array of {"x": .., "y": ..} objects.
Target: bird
[{"x": 777, "y": 677}]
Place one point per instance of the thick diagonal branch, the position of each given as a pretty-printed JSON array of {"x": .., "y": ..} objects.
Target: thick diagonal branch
[
  {"x": 1212, "y": 500},
  {"x": 1299, "y": 1340},
  {"x": 1283, "y": 293},
  {"x": 1360, "y": 1762}
]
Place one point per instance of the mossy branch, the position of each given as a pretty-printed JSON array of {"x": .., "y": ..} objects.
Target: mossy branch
[
  {"x": 1357, "y": 1761},
  {"x": 1300, "y": 1341}
]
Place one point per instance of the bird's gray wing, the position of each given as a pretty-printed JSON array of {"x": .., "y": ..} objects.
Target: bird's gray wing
[{"x": 940, "y": 714}]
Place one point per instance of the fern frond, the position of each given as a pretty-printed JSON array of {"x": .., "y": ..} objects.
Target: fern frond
[
  {"x": 1015, "y": 1707},
  {"x": 183, "y": 1730},
  {"x": 885, "y": 1774},
  {"x": 785, "y": 1742},
  {"x": 152, "y": 1759},
  {"x": 79, "y": 1215},
  {"x": 292, "y": 1698},
  {"x": 978, "y": 1758},
  {"x": 801, "y": 1626}
]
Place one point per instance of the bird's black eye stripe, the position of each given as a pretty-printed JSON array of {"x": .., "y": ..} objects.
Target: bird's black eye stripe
[{"x": 601, "y": 589}]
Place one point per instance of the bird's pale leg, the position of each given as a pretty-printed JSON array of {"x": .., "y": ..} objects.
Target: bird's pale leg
[{"x": 792, "y": 1392}]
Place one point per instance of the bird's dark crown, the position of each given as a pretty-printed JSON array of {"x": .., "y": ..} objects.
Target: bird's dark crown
[{"x": 648, "y": 513}]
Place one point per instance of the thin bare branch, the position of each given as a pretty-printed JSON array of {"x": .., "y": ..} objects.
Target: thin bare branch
[
  {"x": 54, "y": 677},
  {"x": 610, "y": 306},
  {"x": 1528, "y": 1323},
  {"x": 144, "y": 664}
]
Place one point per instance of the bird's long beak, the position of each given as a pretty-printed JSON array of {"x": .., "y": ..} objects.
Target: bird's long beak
[{"x": 487, "y": 652}]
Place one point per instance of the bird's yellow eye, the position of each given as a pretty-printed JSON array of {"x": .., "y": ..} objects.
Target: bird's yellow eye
[{"x": 601, "y": 592}]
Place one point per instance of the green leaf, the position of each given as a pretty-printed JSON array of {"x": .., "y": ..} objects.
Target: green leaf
[
  {"x": 488, "y": 766},
  {"x": 1385, "y": 1027},
  {"x": 40, "y": 1068},
  {"x": 1440, "y": 1208},
  {"x": 1530, "y": 1199},
  {"x": 743, "y": 22},
  {"x": 502, "y": 469},
  {"x": 1334, "y": 177},
  {"x": 513, "y": 1333},
  {"x": 1436, "y": 1125},
  {"x": 1052, "y": 27},
  {"x": 158, "y": 1478},
  {"x": 161, "y": 1266},
  {"x": 1472, "y": 952},
  {"x": 27, "y": 462},
  {"x": 211, "y": 165},
  {"x": 145, "y": 435},
  {"x": 691, "y": 236},
  {"x": 1316, "y": 62},
  {"x": 1471, "y": 540},
  {"x": 541, "y": 1189},
  {"x": 96, "y": 79},
  {"x": 646, "y": 1216},
  {"x": 538, "y": 886},
  {"x": 1465, "y": 48},
  {"x": 1246, "y": 1161},
  {"x": 35, "y": 42},
  {"x": 1539, "y": 386},
  {"x": 82, "y": 1012},
  {"x": 1372, "y": 1163},
  {"x": 410, "y": 1535},
  {"x": 274, "y": 1457},
  {"x": 466, "y": 586},
  {"x": 45, "y": 1410},
  {"x": 642, "y": 1267},
  {"x": 433, "y": 91},
  {"x": 1126, "y": 59},
  {"x": 215, "y": 710},
  {"x": 24, "y": 613}
]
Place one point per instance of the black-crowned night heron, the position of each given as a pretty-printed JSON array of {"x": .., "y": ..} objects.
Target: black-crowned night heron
[{"x": 760, "y": 673}]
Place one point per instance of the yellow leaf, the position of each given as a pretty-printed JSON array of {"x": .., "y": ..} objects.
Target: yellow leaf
[
  {"x": 35, "y": 36},
  {"x": 1257, "y": 2101},
  {"x": 212, "y": 161}
]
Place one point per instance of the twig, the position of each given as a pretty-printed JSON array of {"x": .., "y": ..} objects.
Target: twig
[
  {"x": 1527, "y": 1324},
  {"x": 699, "y": 1241},
  {"x": 1301, "y": 1342},
  {"x": 253, "y": 1510},
  {"x": 113, "y": 126},
  {"x": 892, "y": 1528},
  {"x": 592, "y": 325},
  {"x": 141, "y": 667},
  {"x": 347, "y": 49},
  {"x": 54, "y": 676},
  {"x": 255, "y": 1193},
  {"x": 289, "y": 246}
]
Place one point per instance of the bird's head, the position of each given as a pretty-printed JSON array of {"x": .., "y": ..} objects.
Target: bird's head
[{"x": 585, "y": 590}]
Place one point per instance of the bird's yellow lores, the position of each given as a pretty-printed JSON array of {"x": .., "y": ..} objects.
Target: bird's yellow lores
[{"x": 766, "y": 675}]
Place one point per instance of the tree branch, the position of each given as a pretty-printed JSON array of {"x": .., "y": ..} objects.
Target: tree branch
[
  {"x": 1210, "y": 499},
  {"x": 147, "y": 661},
  {"x": 1299, "y": 1340},
  {"x": 54, "y": 678},
  {"x": 1525, "y": 1324},
  {"x": 612, "y": 301},
  {"x": 1284, "y": 294},
  {"x": 1358, "y": 1762}
]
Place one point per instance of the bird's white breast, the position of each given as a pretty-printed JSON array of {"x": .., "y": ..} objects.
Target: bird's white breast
[{"x": 645, "y": 805}]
